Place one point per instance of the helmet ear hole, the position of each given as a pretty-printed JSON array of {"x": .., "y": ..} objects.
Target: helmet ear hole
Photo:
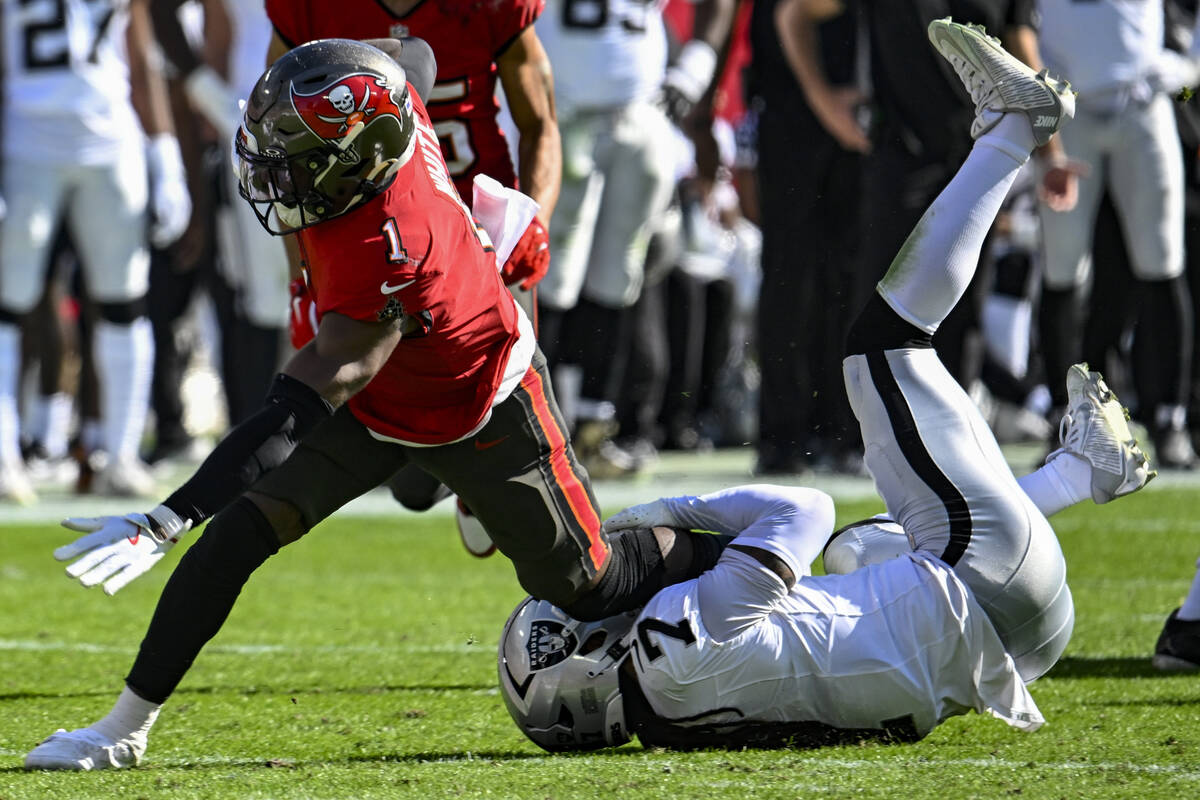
[
  {"x": 565, "y": 718},
  {"x": 593, "y": 642}
]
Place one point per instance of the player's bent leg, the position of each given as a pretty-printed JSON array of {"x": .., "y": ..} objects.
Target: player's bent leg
[
  {"x": 520, "y": 477},
  {"x": 944, "y": 480}
]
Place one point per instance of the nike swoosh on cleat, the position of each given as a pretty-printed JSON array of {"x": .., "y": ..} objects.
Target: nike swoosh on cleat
[{"x": 385, "y": 289}]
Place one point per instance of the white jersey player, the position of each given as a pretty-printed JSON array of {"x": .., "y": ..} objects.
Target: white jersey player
[
  {"x": 1125, "y": 134},
  {"x": 73, "y": 152},
  {"x": 612, "y": 81},
  {"x": 954, "y": 607}
]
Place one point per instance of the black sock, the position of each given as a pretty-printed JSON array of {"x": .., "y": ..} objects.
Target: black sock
[{"x": 199, "y": 596}]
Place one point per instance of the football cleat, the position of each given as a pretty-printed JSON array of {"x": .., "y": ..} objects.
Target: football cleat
[
  {"x": 125, "y": 478},
  {"x": 85, "y": 749},
  {"x": 15, "y": 486},
  {"x": 999, "y": 83},
  {"x": 471, "y": 531},
  {"x": 1178, "y": 647},
  {"x": 1095, "y": 428}
]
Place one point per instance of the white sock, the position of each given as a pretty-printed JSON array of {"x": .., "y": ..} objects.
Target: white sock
[
  {"x": 1064, "y": 480},
  {"x": 10, "y": 368},
  {"x": 939, "y": 258},
  {"x": 124, "y": 359},
  {"x": 131, "y": 716},
  {"x": 56, "y": 433},
  {"x": 1190, "y": 609}
]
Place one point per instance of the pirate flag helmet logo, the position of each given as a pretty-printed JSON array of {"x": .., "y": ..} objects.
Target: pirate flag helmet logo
[{"x": 326, "y": 128}]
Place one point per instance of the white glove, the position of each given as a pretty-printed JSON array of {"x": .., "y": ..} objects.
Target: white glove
[
  {"x": 688, "y": 78},
  {"x": 170, "y": 203},
  {"x": 119, "y": 549},
  {"x": 213, "y": 98},
  {"x": 1172, "y": 71},
  {"x": 646, "y": 515}
]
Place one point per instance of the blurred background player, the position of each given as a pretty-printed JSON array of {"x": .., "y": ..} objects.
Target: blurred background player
[
  {"x": 617, "y": 96},
  {"x": 215, "y": 49},
  {"x": 78, "y": 83},
  {"x": 1125, "y": 133}
]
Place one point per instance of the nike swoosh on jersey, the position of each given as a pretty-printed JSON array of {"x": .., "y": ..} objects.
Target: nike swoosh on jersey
[
  {"x": 487, "y": 445},
  {"x": 385, "y": 289}
]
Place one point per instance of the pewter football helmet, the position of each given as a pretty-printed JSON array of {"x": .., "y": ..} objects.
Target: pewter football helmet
[
  {"x": 558, "y": 677},
  {"x": 325, "y": 129}
]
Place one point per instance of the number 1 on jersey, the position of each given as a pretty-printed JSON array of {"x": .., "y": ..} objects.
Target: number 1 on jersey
[{"x": 396, "y": 252}]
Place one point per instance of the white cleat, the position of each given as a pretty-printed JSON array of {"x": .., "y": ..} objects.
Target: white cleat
[
  {"x": 1095, "y": 428},
  {"x": 471, "y": 531},
  {"x": 999, "y": 83},
  {"x": 15, "y": 486},
  {"x": 126, "y": 478},
  {"x": 85, "y": 749}
]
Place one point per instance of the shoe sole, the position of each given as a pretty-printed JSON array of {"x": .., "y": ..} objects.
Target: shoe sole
[
  {"x": 968, "y": 42},
  {"x": 1166, "y": 663}
]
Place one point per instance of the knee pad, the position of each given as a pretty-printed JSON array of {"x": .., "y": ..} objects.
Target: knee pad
[
  {"x": 878, "y": 327},
  {"x": 635, "y": 572},
  {"x": 122, "y": 313}
]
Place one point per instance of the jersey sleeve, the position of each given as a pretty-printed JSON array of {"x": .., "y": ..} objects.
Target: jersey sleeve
[
  {"x": 511, "y": 19},
  {"x": 290, "y": 20},
  {"x": 791, "y": 522}
]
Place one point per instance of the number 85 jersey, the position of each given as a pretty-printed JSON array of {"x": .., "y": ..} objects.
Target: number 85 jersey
[{"x": 466, "y": 37}]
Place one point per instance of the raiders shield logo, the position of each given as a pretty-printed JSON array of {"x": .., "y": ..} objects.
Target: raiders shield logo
[{"x": 548, "y": 644}]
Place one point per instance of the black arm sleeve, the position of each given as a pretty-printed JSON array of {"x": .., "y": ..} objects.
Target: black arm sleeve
[
  {"x": 253, "y": 448},
  {"x": 416, "y": 56}
]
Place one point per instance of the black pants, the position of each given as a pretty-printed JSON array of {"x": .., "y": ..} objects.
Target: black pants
[
  {"x": 518, "y": 475},
  {"x": 809, "y": 201}
]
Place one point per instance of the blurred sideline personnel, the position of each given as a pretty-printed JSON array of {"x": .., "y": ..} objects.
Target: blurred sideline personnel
[
  {"x": 422, "y": 356},
  {"x": 243, "y": 268},
  {"x": 808, "y": 295},
  {"x": 954, "y": 609},
  {"x": 917, "y": 139},
  {"x": 475, "y": 42},
  {"x": 1126, "y": 134},
  {"x": 77, "y": 84},
  {"x": 617, "y": 97}
]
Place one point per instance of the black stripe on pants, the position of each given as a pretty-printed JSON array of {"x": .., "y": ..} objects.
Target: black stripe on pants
[{"x": 918, "y": 457}]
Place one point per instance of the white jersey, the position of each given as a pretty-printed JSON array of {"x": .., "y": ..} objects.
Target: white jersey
[
  {"x": 898, "y": 645},
  {"x": 605, "y": 53},
  {"x": 67, "y": 95},
  {"x": 1101, "y": 46}
]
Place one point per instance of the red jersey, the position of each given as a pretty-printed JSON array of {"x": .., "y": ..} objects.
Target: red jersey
[
  {"x": 414, "y": 250},
  {"x": 466, "y": 37}
]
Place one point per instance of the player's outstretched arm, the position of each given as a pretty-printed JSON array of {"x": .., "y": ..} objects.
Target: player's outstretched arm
[{"x": 343, "y": 358}]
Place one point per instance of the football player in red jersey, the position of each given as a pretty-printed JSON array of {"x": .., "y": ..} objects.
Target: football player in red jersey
[
  {"x": 421, "y": 357},
  {"x": 475, "y": 43}
]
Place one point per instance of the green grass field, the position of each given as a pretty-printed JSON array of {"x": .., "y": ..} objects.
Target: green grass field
[{"x": 360, "y": 663}]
